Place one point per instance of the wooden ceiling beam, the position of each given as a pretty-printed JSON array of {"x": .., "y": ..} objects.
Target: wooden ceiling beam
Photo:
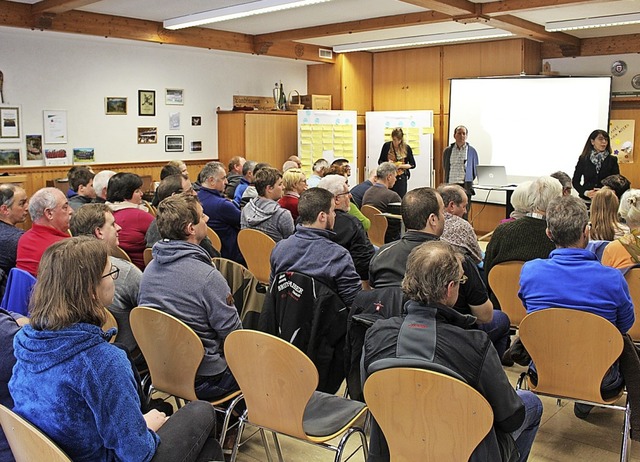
[
  {"x": 597, "y": 46},
  {"x": 384, "y": 22},
  {"x": 532, "y": 30},
  {"x": 520, "y": 6},
  {"x": 58, "y": 6},
  {"x": 450, "y": 7}
]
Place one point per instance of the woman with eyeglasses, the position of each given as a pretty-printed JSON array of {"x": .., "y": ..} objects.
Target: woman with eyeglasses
[
  {"x": 79, "y": 389},
  {"x": 594, "y": 164}
]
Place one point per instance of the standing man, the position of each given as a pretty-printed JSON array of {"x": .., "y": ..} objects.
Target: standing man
[
  {"x": 50, "y": 214},
  {"x": 460, "y": 160},
  {"x": 14, "y": 207}
]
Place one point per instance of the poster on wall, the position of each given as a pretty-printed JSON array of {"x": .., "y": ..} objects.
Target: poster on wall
[
  {"x": 56, "y": 157},
  {"x": 621, "y": 133},
  {"x": 55, "y": 127},
  {"x": 10, "y": 123}
]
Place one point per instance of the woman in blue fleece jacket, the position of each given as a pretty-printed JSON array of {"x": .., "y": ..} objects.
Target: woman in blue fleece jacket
[{"x": 79, "y": 389}]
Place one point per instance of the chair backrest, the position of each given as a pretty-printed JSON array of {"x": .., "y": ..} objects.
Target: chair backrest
[
  {"x": 150, "y": 208},
  {"x": 504, "y": 280},
  {"x": 215, "y": 239},
  {"x": 572, "y": 351},
  {"x": 118, "y": 252},
  {"x": 26, "y": 441},
  {"x": 413, "y": 407},
  {"x": 378, "y": 226},
  {"x": 633, "y": 280},
  {"x": 109, "y": 323},
  {"x": 173, "y": 351},
  {"x": 147, "y": 255},
  {"x": 369, "y": 211},
  {"x": 18, "y": 291},
  {"x": 276, "y": 379},
  {"x": 256, "y": 248}
]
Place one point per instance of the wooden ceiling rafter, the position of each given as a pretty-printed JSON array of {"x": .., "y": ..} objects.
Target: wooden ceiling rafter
[{"x": 58, "y": 6}]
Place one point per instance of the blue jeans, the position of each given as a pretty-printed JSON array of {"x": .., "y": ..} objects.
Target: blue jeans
[
  {"x": 498, "y": 331},
  {"x": 525, "y": 435},
  {"x": 215, "y": 387}
]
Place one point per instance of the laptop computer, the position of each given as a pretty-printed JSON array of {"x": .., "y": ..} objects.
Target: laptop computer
[{"x": 492, "y": 176}]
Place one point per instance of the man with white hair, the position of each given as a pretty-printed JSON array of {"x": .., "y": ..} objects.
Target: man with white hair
[
  {"x": 50, "y": 213},
  {"x": 320, "y": 168},
  {"x": 100, "y": 183},
  {"x": 349, "y": 230}
]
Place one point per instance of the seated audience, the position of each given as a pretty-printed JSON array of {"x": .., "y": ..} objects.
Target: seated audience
[
  {"x": 14, "y": 207},
  {"x": 234, "y": 176},
  {"x": 341, "y": 167},
  {"x": 263, "y": 212},
  {"x": 100, "y": 183},
  {"x": 166, "y": 171},
  {"x": 81, "y": 182},
  {"x": 50, "y": 214},
  {"x": 224, "y": 216},
  {"x": 181, "y": 166},
  {"x": 618, "y": 183},
  {"x": 288, "y": 164},
  {"x": 433, "y": 278},
  {"x": 294, "y": 182},
  {"x": 76, "y": 387},
  {"x": 97, "y": 221},
  {"x": 244, "y": 181},
  {"x": 423, "y": 216},
  {"x": 320, "y": 168},
  {"x": 624, "y": 252},
  {"x": 458, "y": 231},
  {"x": 349, "y": 231},
  {"x": 124, "y": 196},
  {"x": 182, "y": 281},
  {"x": 250, "y": 192},
  {"x": 357, "y": 192},
  {"x": 565, "y": 181},
  {"x": 521, "y": 201},
  {"x": 603, "y": 215},
  {"x": 555, "y": 281},
  {"x": 295, "y": 159},
  {"x": 312, "y": 250},
  {"x": 380, "y": 195}
]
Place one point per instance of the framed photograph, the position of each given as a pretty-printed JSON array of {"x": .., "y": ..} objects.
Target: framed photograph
[
  {"x": 147, "y": 135},
  {"x": 56, "y": 157},
  {"x": 55, "y": 127},
  {"x": 115, "y": 105},
  {"x": 10, "y": 123},
  {"x": 83, "y": 155},
  {"x": 34, "y": 147},
  {"x": 196, "y": 146},
  {"x": 196, "y": 121},
  {"x": 10, "y": 157},
  {"x": 174, "y": 97},
  {"x": 174, "y": 143},
  {"x": 146, "y": 102}
]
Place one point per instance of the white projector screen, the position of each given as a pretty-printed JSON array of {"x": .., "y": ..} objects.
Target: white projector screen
[{"x": 533, "y": 126}]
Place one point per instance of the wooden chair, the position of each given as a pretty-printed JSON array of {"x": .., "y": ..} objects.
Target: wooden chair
[
  {"x": 27, "y": 442},
  {"x": 147, "y": 255},
  {"x": 109, "y": 324},
  {"x": 173, "y": 352},
  {"x": 118, "y": 252},
  {"x": 150, "y": 208},
  {"x": 413, "y": 409},
  {"x": 572, "y": 351},
  {"x": 378, "y": 227},
  {"x": 278, "y": 382},
  {"x": 215, "y": 239},
  {"x": 256, "y": 248},
  {"x": 633, "y": 280},
  {"x": 504, "y": 280}
]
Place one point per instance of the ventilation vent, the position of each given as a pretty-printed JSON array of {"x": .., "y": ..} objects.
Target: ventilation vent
[{"x": 324, "y": 53}]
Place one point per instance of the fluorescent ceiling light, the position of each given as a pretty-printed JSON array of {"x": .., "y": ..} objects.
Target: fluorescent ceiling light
[
  {"x": 235, "y": 12},
  {"x": 421, "y": 40},
  {"x": 590, "y": 23}
]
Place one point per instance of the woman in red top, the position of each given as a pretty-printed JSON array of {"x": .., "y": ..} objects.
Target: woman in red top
[{"x": 294, "y": 182}]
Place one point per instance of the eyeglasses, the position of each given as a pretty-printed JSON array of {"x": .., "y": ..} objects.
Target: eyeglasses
[
  {"x": 114, "y": 272},
  {"x": 342, "y": 194},
  {"x": 462, "y": 280}
]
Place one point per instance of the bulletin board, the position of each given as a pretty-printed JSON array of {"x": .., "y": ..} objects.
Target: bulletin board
[{"x": 329, "y": 135}]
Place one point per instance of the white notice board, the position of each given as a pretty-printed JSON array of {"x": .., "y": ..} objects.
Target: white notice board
[
  {"x": 330, "y": 135},
  {"x": 417, "y": 127}
]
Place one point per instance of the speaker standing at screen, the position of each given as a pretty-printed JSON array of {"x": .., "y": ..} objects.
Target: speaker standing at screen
[
  {"x": 460, "y": 160},
  {"x": 594, "y": 164},
  {"x": 400, "y": 153}
]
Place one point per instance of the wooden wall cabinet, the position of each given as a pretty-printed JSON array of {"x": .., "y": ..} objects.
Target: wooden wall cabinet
[{"x": 262, "y": 136}]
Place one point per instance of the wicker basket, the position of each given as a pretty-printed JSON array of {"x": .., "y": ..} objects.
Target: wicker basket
[{"x": 292, "y": 106}]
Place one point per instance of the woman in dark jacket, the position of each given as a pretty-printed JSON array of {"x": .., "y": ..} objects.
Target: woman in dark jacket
[
  {"x": 594, "y": 164},
  {"x": 400, "y": 153}
]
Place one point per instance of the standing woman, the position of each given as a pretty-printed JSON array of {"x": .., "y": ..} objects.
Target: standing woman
[
  {"x": 79, "y": 389},
  {"x": 594, "y": 164},
  {"x": 400, "y": 153}
]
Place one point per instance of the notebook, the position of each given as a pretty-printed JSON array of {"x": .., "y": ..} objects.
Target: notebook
[{"x": 492, "y": 175}]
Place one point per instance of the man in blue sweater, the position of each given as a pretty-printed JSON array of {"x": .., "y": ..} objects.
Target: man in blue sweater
[{"x": 572, "y": 277}]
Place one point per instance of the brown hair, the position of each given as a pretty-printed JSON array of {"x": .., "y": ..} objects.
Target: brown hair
[
  {"x": 88, "y": 218},
  {"x": 66, "y": 291},
  {"x": 399, "y": 154},
  {"x": 175, "y": 213}
]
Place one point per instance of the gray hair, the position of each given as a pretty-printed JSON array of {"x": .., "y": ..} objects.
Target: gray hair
[
  {"x": 211, "y": 169},
  {"x": 333, "y": 183},
  {"x": 629, "y": 208},
  {"x": 542, "y": 191},
  {"x": 567, "y": 217},
  {"x": 521, "y": 199},
  {"x": 7, "y": 194},
  {"x": 101, "y": 181},
  {"x": 385, "y": 169},
  {"x": 320, "y": 165},
  {"x": 452, "y": 193},
  {"x": 43, "y": 199},
  {"x": 289, "y": 164},
  {"x": 249, "y": 166}
]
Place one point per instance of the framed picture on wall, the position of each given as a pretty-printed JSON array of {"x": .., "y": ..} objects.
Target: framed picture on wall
[
  {"x": 147, "y": 135},
  {"x": 196, "y": 146},
  {"x": 174, "y": 143},
  {"x": 174, "y": 96},
  {"x": 9, "y": 123},
  {"x": 146, "y": 102},
  {"x": 115, "y": 105}
]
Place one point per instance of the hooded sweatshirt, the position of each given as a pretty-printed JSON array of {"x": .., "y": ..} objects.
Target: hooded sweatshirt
[
  {"x": 267, "y": 216},
  {"x": 182, "y": 281},
  {"x": 80, "y": 391}
]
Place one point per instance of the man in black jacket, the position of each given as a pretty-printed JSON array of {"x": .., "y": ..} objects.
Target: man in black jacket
[{"x": 434, "y": 332}]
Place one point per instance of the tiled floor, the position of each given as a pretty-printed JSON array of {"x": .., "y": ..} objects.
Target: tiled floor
[{"x": 562, "y": 437}]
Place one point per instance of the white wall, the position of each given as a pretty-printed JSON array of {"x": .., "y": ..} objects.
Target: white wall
[{"x": 55, "y": 71}]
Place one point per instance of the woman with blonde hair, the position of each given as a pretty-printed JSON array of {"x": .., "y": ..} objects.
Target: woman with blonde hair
[
  {"x": 294, "y": 182},
  {"x": 79, "y": 389},
  {"x": 625, "y": 251},
  {"x": 605, "y": 225}
]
